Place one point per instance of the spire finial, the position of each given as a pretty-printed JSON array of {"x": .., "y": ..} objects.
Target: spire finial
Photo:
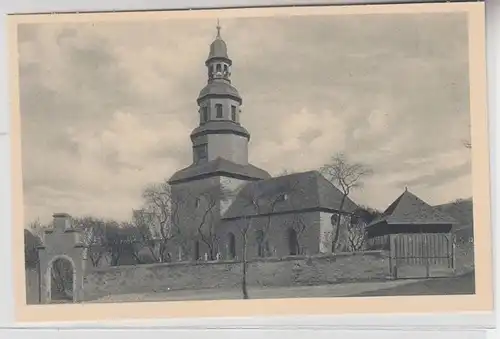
[
  {"x": 406, "y": 188},
  {"x": 218, "y": 29}
]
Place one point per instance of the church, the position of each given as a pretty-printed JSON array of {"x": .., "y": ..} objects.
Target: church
[{"x": 224, "y": 204}]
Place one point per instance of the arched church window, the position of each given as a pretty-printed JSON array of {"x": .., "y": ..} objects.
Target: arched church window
[
  {"x": 196, "y": 250},
  {"x": 218, "y": 109},
  {"x": 293, "y": 243},
  {"x": 225, "y": 69},
  {"x": 259, "y": 235},
  {"x": 233, "y": 113},
  {"x": 231, "y": 246},
  {"x": 219, "y": 68}
]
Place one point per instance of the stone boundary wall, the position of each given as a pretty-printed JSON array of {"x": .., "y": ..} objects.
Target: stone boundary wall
[
  {"x": 32, "y": 285},
  {"x": 272, "y": 272}
]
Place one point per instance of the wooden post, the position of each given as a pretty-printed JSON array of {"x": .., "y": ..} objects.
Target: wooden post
[
  {"x": 453, "y": 252},
  {"x": 394, "y": 261},
  {"x": 427, "y": 268},
  {"x": 423, "y": 252},
  {"x": 391, "y": 273},
  {"x": 449, "y": 245}
]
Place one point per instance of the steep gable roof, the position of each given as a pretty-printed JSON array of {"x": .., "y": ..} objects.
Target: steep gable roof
[
  {"x": 219, "y": 166},
  {"x": 409, "y": 209},
  {"x": 293, "y": 192}
]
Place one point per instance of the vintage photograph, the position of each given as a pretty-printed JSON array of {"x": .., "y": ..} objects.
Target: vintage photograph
[{"x": 227, "y": 157}]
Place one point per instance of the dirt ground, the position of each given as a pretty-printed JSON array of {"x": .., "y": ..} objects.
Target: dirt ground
[
  {"x": 464, "y": 284},
  {"x": 338, "y": 290}
]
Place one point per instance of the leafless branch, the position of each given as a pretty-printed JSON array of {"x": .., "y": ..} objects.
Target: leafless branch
[{"x": 345, "y": 176}]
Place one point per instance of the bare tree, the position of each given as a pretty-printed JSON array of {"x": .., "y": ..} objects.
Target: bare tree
[
  {"x": 159, "y": 222},
  {"x": 144, "y": 223},
  {"x": 37, "y": 228},
  {"x": 356, "y": 234},
  {"x": 94, "y": 237},
  {"x": 155, "y": 222},
  {"x": 132, "y": 244},
  {"x": 206, "y": 226},
  {"x": 207, "y": 214},
  {"x": 244, "y": 260},
  {"x": 357, "y": 239},
  {"x": 346, "y": 177},
  {"x": 107, "y": 238},
  {"x": 120, "y": 242}
]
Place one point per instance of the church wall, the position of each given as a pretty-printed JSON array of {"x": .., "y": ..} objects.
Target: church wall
[
  {"x": 306, "y": 225},
  {"x": 228, "y": 146},
  {"x": 288, "y": 271}
]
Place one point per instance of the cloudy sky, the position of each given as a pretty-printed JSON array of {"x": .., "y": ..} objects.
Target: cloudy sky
[{"x": 107, "y": 107}]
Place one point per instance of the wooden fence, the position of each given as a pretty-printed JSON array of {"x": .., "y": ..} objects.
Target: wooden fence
[{"x": 421, "y": 255}]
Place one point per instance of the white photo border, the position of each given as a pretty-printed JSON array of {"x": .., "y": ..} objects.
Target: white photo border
[{"x": 460, "y": 322}]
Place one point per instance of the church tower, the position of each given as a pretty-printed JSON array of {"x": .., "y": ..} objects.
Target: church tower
[
  {"x": 220, "y": 160},
  {"x": 219, "y": 142},
  {"x": 219, "y": 134}
]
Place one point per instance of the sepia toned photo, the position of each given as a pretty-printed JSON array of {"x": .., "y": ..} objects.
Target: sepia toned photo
[{"x": 250, "y": 155}]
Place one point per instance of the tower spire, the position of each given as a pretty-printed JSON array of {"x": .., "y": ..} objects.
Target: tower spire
[{"x": 218, "y": 29}]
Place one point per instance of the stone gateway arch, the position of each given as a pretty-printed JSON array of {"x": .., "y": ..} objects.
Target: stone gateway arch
[{"x": 62, "y": 247}]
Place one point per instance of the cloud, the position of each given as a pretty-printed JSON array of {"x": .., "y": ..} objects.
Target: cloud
[
  {"x": 107, "y": 107},
  {"x": 299, "y": 142}
]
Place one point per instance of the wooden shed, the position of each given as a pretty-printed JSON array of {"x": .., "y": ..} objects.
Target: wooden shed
[{"x": 417, "y": 235}]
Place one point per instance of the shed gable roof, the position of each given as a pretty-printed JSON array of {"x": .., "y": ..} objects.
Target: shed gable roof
[{"x": 410, "y": 209}]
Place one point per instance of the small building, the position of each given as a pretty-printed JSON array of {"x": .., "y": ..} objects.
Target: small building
[{"x": 415, "y": 233}]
